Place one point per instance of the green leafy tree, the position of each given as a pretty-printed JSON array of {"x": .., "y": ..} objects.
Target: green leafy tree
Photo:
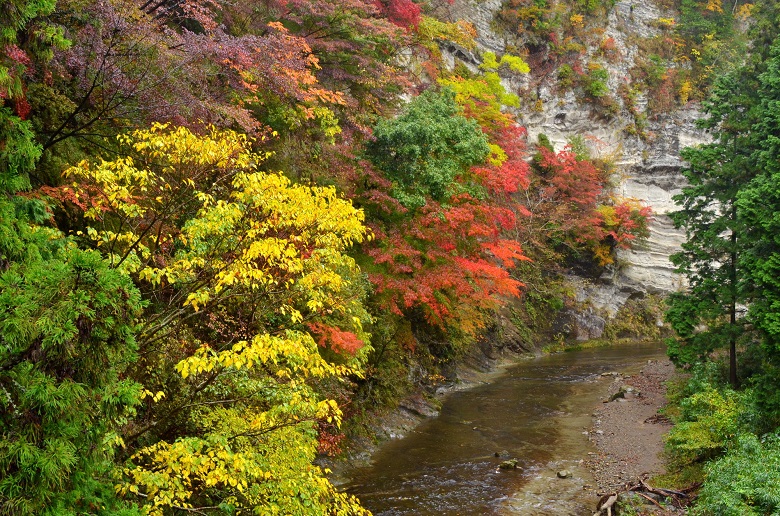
[
  {"x": 758, "y": 204},
  {"x": 253, "y": 306},
  {"x": 426, "y": 147},
  {"x": 67, "y": 335},
  {"x": 18, "y": 153},
  {"x": 26, "y": 37},
  {"x": 744, "y": 482},
  {"x": 66, "y": 338},
  {"x": 22, "y": 22},
  {"x": 706, "y": 316},
  {"x": 25, "y": 23}
]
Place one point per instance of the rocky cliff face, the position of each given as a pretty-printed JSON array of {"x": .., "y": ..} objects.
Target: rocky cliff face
[{"x": 647, "y": 166}]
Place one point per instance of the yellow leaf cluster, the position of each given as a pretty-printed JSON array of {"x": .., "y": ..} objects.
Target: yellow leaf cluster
[
  {"x": 267, "y": 233},
  {"x": 745, "y": 11},
  {"x": 431, "y": 32},
  {"x": 193, "y": 218},
  {"x": 714, "y": 6},
  {"x": 175, "y": 471},
  {"x": 685, "y": 91},
  {"x": 277, "y": 235},
  {"x": 293, "y": 355},
  {"x": 259, "y": 464},
  {"x": 515, "y": 63}
]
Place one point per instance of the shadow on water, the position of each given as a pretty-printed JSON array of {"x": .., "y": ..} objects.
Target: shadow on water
[{"x": 535, "y": 412}]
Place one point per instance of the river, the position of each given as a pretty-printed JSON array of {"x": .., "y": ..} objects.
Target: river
[{"x": 537, "y": 411}]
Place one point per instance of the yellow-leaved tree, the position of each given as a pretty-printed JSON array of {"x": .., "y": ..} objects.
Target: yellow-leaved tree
[{"x": 254, "y": 315}]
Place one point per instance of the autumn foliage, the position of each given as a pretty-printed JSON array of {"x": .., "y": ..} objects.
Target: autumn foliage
[
  {"x": 224, "y": 226},
  {"x": 443, "y": 248},
  {"x": 250, "y": 248},
  {"x": 579, "y": 213}
]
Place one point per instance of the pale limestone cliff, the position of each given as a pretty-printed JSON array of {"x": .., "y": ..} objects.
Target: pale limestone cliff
[{"x": 648, "y": 167}]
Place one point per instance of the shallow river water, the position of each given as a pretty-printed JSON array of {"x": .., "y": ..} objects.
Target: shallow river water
[{"x": 536, "y": 411}]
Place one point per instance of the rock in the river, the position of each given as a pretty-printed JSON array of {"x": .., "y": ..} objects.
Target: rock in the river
[
  {"x": 564, "y": 473},
  {"x": 509, "y": 464},
  {"x": 624, "y": 392}
]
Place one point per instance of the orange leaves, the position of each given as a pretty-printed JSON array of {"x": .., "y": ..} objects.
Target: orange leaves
[
  {"x": 448, "y": 256},
  {"x": 512, "y": 173},
  {"x": 235, "y": 69},
  {"x": 277, "y": 26},
  {"x": 567, "y": 189},
  {"x": 85, "y": 197},
  {"x": 470, "y": 218},
  {"x": 325, "y": 96},
  {"x": 490, "y": 277},
  {"x": 336, "y": 339},
  {"x": 577, "y": 213},
  {"x": 448, "y": 260},
  {"x": 506, "y": 251},
  {"x": 624, "y": 222},
  {"x": 569, "y": 179},
  {"x": 357, "y": 49},
  {"x": 281, "y": 60}
]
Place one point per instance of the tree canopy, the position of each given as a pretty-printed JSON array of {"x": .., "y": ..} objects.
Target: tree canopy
[{"x": 226, "y": 228}]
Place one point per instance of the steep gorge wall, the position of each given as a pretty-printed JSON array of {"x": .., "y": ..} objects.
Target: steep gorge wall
[
  {"x": 647, "y": 169},
  {"x": 647, "y": 166}
]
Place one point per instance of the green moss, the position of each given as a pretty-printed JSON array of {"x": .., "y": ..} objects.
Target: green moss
[
  {"x": 565, "y": 77},
  {"x": 595, "y": 82},
  {"x": 638, "y": 318}
]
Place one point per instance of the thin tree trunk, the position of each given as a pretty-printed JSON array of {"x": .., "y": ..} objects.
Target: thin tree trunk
[{"x": 733, "y": 307}]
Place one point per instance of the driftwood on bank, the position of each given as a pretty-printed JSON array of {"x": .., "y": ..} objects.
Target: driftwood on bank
[
  {"x": 606, "y": 504},
  {"x": 660, "y": 491}
]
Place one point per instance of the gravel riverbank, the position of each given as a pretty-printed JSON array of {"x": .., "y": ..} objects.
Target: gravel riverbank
[{"x": 628, "y": 430}]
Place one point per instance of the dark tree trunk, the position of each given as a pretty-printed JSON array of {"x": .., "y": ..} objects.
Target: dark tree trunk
[{"x": 733, "y": 307}]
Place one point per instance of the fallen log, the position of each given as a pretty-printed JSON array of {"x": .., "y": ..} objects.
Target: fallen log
[
  {"x": 642, "y": 489},
  {"x": 660, "y": 491},
  {"x": 650, "y": 499}
]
